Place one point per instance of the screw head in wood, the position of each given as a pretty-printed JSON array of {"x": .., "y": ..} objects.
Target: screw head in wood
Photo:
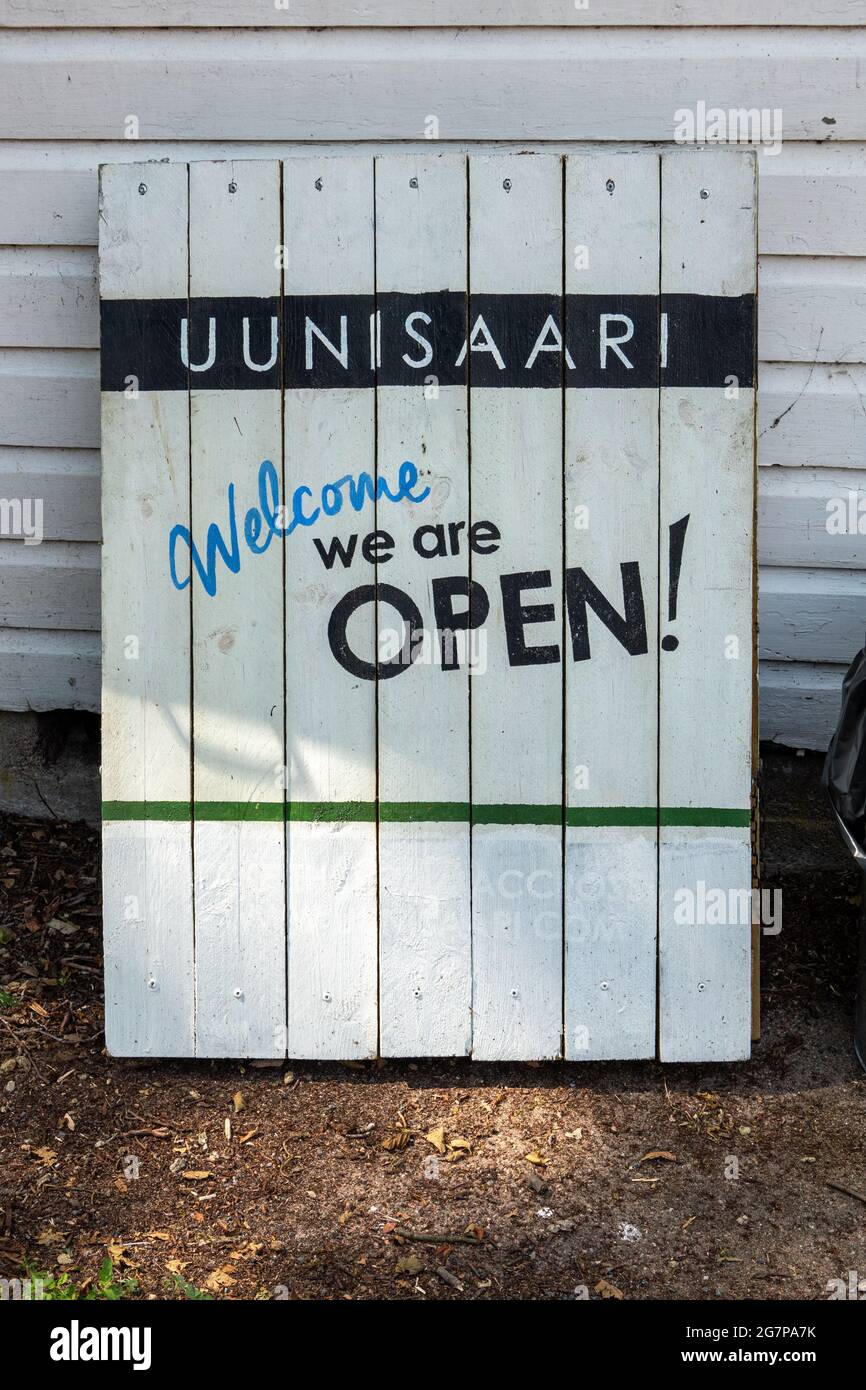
[
  {"x": 506, "y": 184},
  {"x": 142, "y": 188},
  {"x": 233, "y": 188},
  {"x": 705, "y": 193}
]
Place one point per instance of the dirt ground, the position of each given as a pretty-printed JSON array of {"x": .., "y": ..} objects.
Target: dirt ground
[{"x": 517, "y": 1182}]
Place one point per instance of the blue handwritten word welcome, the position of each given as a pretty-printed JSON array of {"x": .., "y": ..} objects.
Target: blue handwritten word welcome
[{"x": 265, "y": 521}]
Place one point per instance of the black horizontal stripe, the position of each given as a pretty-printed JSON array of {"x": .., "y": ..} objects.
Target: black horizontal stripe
[{"x": 326, "y": 341}]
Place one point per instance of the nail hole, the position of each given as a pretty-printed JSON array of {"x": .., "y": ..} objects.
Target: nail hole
[
  {"x": 413, "y": 183},
  {"x": 705, "y": 193},
  {"x": 506, "y": 184},
  {"x": 142, "y": 188},
  {"x": 233, "y": 188},
  {"x": 610, "y": 185}
]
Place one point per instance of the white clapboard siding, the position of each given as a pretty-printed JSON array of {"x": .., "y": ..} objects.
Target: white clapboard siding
[
  {"x": 49, "y": 670},
  {"x": 515, "y": 246},
  {"x": 53, "y": 585},
  {"x": 65, "y": 482},
  {"x": 705, "y": 683},
  {"x": 807, "y": 415},
  {"x": 812, "y": 517},
  {"x": 425, "y": 969},
  {"x": 198, "y": 84},
  {"x": 235, "y": 224},
  {"x": 812, "y": 615},
  {"x": 800, "y": 703},
  {"x": 328, "y": 213},
  {"x": 812, "y": 197},
  {"x": 48, "y": 298},
  {"x": 147, "y": 851},
  {"x": 811, "y": 416},
  {"x": 410, "y": 13},
  {"x": 812, "y": 200},
  {"x": 611, "y": 713},
  {"x": 49, "y": 398},
  {"x": 812, "y": 310}
]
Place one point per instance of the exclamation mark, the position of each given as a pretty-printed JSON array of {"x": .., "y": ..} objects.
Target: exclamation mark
[{"x": 676, "y": 542}]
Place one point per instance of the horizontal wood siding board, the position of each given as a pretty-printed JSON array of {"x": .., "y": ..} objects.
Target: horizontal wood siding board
[
  {"x": 812, "y": 309},
  {"x": 122, "y": 14},
  {"x": 812, "y": 197},
  {"x": 812, "y": 615},
  {"x": 64, "y": 482},
  {"x": 800, "y": 703},
  {"x": 812, "y": 517},
  {"x": 49, "y": 670},
  {"x": 61, "y": 670},
  {"x": 807, "y": 415},
  {"x": 54, "y": 585},
  {"x": 479, "y": 84}
]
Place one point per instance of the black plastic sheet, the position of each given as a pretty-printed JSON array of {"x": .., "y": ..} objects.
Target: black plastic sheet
[{"x": 845, "y": 780}]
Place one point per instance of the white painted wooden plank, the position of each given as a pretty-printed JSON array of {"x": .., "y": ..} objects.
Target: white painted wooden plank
[
  {"x": 560, "y": 84},
  {"x": 237, "y": 671},
  {"x": 48, "y": 298},
  {"x": 611, "y": 718},
  {"x": 705, "y": 682},
  {"x": 439, "y": 13},
  {"x": 147, "y": 863},
  {"x": 57, "y": 487},
  {"x": 812, "y": 196},
  {"x": 49, "y": 398},
  {"x": 425, "y": 967},
  {"x": 812, "y": 310},
  {"x": 811, "y": 416},
  {"x": 811, "y": 615},
  {"x": 800, "y": 703},
  {"x": 53, "y": 585},
  {"x": 49, "y": 670},
  {"x": 516, "y": 711},
  {"x": 329, "y": 433},
  {"x": 812, "y": 517}
]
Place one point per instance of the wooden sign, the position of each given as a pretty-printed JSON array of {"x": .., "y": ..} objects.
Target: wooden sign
[{"x": 428, "y": 489}]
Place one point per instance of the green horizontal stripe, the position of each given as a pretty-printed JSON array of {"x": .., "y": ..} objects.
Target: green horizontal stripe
[
  {"x": 403, "y": 812},
  {"x": 611, "y": 815},
  {"x": 703, "y": 815}
]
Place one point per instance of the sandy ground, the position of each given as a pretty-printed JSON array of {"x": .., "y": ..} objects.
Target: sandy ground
[{"x": 434, "y": 1180}]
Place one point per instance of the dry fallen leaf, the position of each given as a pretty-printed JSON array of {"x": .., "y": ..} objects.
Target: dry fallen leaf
[
  {"x": 655, "y": 1155},
  {"x": 436, "y": 1137},
  {"x": 457, "y": 1143},
  {"x": 397, "y": 1140},
  {"x": 220, "y": 1278},
  {"x": 250, "y": 1134},
  {"x": 38, "y": 1009},
  {"x": 608, "y": 1290},
  {"x": 175, "y": 1266},
  {"x": 538, "y": 1159},
  {"x": 197, "y": 1173},
  {"x": 44, "y": 1154},
  {"x": 409, "y": 1264},
  {"x": 238, "y": 1102}
]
